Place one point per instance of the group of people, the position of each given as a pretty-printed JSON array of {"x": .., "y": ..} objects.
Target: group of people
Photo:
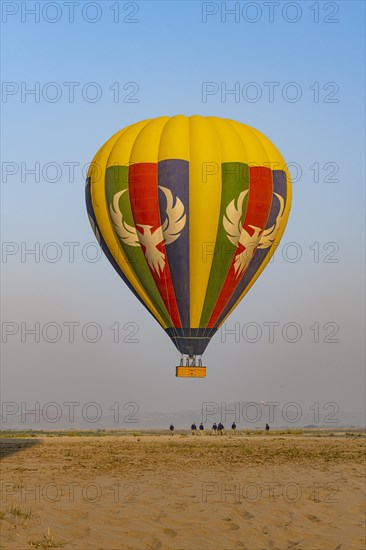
[
  {"x": 217, "y": 429},
  {"x": 201, "y": 429}
]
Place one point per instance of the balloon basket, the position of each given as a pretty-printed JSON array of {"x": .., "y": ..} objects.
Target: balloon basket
[{"x": 190, "y": 372}]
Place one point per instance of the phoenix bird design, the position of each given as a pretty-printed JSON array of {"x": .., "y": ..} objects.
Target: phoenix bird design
[
  {"x": 237, "y": 235},
  {"x": 167, "y": 233}
]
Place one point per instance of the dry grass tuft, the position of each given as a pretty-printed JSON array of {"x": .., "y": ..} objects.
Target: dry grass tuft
[{"x": 47, "y": 541}]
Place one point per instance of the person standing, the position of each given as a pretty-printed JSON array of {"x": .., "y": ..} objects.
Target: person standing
[
  {"x": 233, "y": 427},
  {"x": 171, "y": 428},
  {"x": 214, "y": 429},
  {"x": 267, "y": 428},
  {"x": 194, "y": 428},
  {"x": 201, "y": 429}
]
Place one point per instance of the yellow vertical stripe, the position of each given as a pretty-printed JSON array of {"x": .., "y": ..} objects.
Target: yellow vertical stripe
[{"x": 204, "y": 208}]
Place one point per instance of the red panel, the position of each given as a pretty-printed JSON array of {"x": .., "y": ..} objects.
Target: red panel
[
  {"x": 143, "y": 191},
  {"x": 259, "y": 205}
]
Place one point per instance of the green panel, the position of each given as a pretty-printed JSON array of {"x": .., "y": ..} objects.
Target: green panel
[
  {"x": 116, "y": 181},
  {"x": 235, "y": 180}
]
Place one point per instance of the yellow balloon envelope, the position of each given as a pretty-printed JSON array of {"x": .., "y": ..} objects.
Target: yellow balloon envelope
[{"x": 189, "y": 211}]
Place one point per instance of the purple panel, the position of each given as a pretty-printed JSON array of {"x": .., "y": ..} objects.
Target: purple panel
[{"x": 173, "y": 174}]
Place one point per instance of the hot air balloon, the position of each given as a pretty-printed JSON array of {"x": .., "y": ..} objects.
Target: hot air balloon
[{"x": 189, "y": 211}]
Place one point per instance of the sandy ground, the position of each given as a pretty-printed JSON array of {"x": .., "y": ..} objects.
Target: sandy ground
[{"x": 187, "y": 493}]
